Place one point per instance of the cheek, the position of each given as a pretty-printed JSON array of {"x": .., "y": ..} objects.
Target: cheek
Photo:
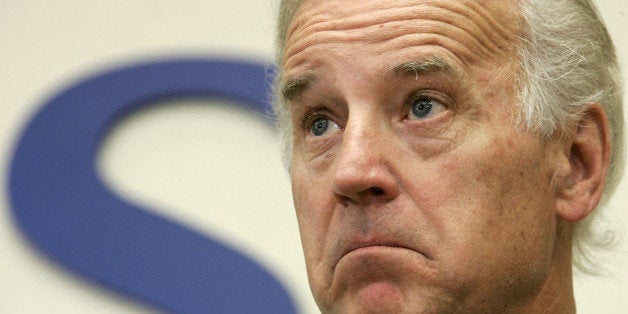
[
  {"x": 314, "y": 209},
  {"x": 502, "y": 184},
  {"x": 311, "y": 202},
  {"x": 498, "y": 210}
]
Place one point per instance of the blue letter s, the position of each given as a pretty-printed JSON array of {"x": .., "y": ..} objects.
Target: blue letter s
[{"x": 63, "y": 207}]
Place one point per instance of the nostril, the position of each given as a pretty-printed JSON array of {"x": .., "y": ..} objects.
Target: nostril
[
  {"x": 363, "y": 197},
  {"x": 377, "y": 191}
]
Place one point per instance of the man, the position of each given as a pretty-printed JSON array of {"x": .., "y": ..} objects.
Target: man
[{"x": 446, "y": 155}]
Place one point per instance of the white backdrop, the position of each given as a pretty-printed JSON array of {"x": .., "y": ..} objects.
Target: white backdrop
[{"x": 201, "y": 150}]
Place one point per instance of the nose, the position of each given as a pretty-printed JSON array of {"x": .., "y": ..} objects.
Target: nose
[{"x": 363, "y": 167}]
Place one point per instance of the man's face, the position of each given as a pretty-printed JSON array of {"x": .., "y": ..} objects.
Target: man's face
[{"x": 413, "y": 187}]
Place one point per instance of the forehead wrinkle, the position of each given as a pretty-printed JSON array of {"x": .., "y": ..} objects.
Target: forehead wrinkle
[
  {"x": 334, "y": 18},
  {"x": 491, "y": 32},
  {"x": 466, "y": 54},
  {"x": 399, "y": 43},
  {"x": 473, "y": 22}
]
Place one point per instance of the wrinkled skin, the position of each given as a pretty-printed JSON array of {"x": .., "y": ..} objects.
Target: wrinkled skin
[{"x": 404, "y": 208}]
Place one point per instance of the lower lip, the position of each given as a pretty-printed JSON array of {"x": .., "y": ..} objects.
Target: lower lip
[
  {"x": 377, "y": 248},
  {"x": 381, "y": 253}
]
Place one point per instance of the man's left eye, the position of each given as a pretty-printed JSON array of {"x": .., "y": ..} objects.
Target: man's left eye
[
  {"x": 322, "y": 126},
  {"x": 422, "y": 108}
]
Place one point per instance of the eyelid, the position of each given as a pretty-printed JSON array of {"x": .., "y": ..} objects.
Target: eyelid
[
  {"x": 429, "y": 94},
  {"x": 309, "y": 116}
]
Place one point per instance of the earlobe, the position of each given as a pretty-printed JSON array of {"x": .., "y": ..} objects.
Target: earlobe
[{"x": 586, "y": 160}]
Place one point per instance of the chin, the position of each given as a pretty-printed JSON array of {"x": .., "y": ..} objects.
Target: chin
[
  {"x": 374, "y": 297},
  {"x": 386, "y": 297}
]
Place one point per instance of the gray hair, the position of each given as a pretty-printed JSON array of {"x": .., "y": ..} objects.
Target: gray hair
[
  {"x": 287, "y": 10},
  {"x": 566, "y": 61}
]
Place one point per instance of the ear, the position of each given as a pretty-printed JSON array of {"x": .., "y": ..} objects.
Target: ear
[{"x": 586, "y": 160}]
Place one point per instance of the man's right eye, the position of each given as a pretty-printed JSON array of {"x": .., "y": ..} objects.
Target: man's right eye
[{"x": 322, "y": 125}]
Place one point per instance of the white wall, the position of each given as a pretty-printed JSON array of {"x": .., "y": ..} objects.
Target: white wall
[{"x": 49, "y": 44}]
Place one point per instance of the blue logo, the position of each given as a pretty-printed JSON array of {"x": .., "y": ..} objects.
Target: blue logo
[{"x": 63, "y": 208}]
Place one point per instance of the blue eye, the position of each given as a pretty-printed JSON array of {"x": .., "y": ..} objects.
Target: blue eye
[
  {"x": 319, "y": 126},
  {"x": 322, "y": 126},
  {"x": 422, "y": 107}
]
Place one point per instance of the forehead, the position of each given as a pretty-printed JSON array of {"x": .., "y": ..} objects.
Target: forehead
[{"x": 473, "y": 31}]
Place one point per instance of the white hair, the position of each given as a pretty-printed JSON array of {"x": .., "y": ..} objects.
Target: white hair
[{"x": 566, "y": 61}]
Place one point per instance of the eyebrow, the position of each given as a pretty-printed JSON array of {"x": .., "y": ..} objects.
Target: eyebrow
[
  {"x": 295, "y": 86},
  {"x": 419, "y": 67}
]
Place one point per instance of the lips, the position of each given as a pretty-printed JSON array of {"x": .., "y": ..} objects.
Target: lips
[{"x": 375, "y": 241}]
